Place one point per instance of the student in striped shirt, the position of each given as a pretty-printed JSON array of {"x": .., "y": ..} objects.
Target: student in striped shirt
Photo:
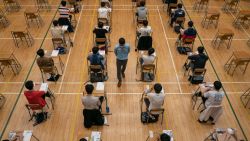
[{"x": 65, "y": 16}]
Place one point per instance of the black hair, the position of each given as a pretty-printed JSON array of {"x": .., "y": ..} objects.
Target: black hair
[
  {"x": 55, "y": 22},
  {"x": 217, "y": 85},
  {"x": 121, "y": 41},
  {"x": 63, "y": 3},
  {"x": 100, "y": 24},
  {"x": 200, "y": 49},
  {"x": 190, "y": 24},
  {"x": 89, "y": 88},
  {"x": 145, "y": 22},
  {"x": 179, "y": 5},
  {"x": 165, "y": 137},
  {"x": 142, "y": 3},
  {"x": 82, "y": 139},
  {"x": 103, "y": 4},
  {"x": 29, "y": 85},
  {"x": 40, "y": 52},
  {"x": 151, "y": 51},
  {"x": 95, "y": 50},
  {"x": 157, "y": 87}
]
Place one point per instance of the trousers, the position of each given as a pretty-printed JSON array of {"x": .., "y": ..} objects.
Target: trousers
[{"x": 121, "y": 67}]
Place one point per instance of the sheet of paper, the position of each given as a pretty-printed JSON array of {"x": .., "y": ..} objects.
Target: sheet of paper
[
  {"x": 100, "y": 86},
  {"x": 44, "y": 87},
  {"x": 106, "y": 27},
  {"x": 102, "y": 52},
  {"x": 27, "y": 135},
  {"x": 105, "y": 120},
  {"x": 54, "y": 53},
  {"x": 65, "y": 28}
]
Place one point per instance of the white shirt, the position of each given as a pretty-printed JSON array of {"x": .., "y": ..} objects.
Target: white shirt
[
  {"x": 57, "y": 32},
  {"x": 91, "y": 102},
  {"x": 156, "y": 100},
  {"x": 214, "y": 98},
  {"x": 148, "y": 59},
  {"x": 145, "y": 31},
  {"x": 103, "y": 12}
]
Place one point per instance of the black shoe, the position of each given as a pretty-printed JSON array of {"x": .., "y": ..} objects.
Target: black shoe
[
  {"x": 57, "y": 77},
  {"x": 123, "y": 75},
  {"x": 51, "y": 79}
]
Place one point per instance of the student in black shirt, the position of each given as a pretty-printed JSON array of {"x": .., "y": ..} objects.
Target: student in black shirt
[
  {"x": 100, "y": 32},
  {"x": 198, "y": 60}
]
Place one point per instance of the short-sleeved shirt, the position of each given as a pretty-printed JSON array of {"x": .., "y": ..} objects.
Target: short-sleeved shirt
[
  {"x": 179, "y": 13},
  {"x": 145, "y": 31},
  {"x": 100, "y": 32},
  {"x": 122, "y": 52},
  {"x": 214, "y": 98},
  {"x": 45, "y": 62},
  {"x": 57, "y": 32},
  {"x": 96, "y": 59},
  {"x": 198, "y": 60},
  {"x": 91, "y": 102},
  {"x": 142, "y": 13},
  {"x": 148, "y": 59},
  {"x": 156, "y": 100},
  {"x": 103, "y": 12},
  {"x": 64, "y": 12},
  {"x": 35, "y": 97}
]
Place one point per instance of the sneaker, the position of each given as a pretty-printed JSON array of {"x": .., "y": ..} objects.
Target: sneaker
[
  {"x": 123, "y": 75},
  {"x": 119, "y": 83},
  {"x": 51, "y": 79},
  {"x": 57, "y": 77}
]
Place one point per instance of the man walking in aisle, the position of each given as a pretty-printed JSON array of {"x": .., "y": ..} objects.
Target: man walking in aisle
[{"x": 121, "y": 51}]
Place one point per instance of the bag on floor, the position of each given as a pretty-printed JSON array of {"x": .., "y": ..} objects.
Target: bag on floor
[
  {"x": 40, "y": 117},
  {"x": 148, "y": 77},
  {"x": 146, "y": 118},
  {"x": 197, "y": 79},
  {"x": 184, "y": 50},
  {"x": 177, "y": 28},
  {"x": 97, "y": 77},
  {"x": 62, "y": 50}
]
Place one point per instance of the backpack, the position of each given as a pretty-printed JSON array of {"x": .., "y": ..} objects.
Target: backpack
[
  {"x": 184, "y": 50},
  {"x": 177, "y": 28},
  {"x": 196, "y": 79},
  {"x": 148, "y": 77},
  {"x": 61, "y": 50},
  {"x": 146, "y": 118},
  {"x": 40, "y": 117},
  {"x": 96, "y": 77}
]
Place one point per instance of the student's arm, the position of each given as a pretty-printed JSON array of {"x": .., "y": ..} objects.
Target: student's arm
[
  {"x": 40, "y": 93},
  {"x": 115, "y": 51}
]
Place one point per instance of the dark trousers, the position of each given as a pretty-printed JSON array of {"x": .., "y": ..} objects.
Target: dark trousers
[
  {"x": 121, "y": 67},
  {"x": 147, "y": 103},
  {"x": 65, "y": 21}
]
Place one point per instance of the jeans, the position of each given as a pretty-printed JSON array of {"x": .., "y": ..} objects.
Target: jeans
[{"x": 121, "y": 67}]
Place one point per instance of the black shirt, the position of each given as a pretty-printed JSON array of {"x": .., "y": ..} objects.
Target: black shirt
[
  {"x": 198, "y": 60},
  {"x": 100, "y": 32}
]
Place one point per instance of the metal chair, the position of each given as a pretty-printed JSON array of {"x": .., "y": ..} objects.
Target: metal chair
[
  {"x": 180, "y": 21},
  {"x": 159, "y": 111},
  {"x": 105, "y": 21},
  {"x": 96, "y": 73},
  {"x": 211, "y": 17},
  {"x": 9, "y": 60},
  {"x": 3, "y": 20},
  {"x": 225, "y": 134},
  {"x": 187, "y": 42},
  {"x": 102, "y": 44},
  {"x": 196, "y": 72},
  {"x": 58, "y": 42},
  {"x": 33, "y": 16},
  {"x": 22, "y": 36},
  {"x": 200, "y": 5},
  {"x": 242, "y": 19},
  {"x": 43, "y": 5},
  {"x": 11, "y": 5},
  {"x": 52, "y": 70},
  {"x": 230, "y": 5}
]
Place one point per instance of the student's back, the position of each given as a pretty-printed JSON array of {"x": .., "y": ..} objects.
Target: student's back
[{"x": 142, "y": 12}]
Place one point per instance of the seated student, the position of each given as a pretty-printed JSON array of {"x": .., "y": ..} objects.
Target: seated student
[
  {"x": 103, "y": 11},
  {"x": 179, "y": 12},
  {"x": 65, "y": 17},
  {"x": 142, "y": 11},
  {"x": 190, "y": 32},
  {"x": 75, "y": 5},
  {"x": 170, "y": 2},
  {"x": 149, "y": 58},
  {"x": 92, "y": 108},
  {"x": 56, "y": 30},
  {"x": 35, "y": 96},
  {"x": 43, "y": 61},
  {"x": 154, "y": 100},
  {"x": 99, "y": 31},
  {"x": 197, "y": 60},
  {"x": 145, "y": 30},
  {"x": 211, "y": 96},
  {"x": 95, "y": 58}
]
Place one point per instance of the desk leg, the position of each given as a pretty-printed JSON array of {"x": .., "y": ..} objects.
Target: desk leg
[
  {"x": 194, "y": 97},
  {"x": 35, "y": 137}
]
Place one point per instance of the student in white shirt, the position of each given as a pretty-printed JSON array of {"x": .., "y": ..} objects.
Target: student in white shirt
[
  {"x": 154, "y": 100},
  {"x": 89, "y": 101},
  {"x": 145, "y": 30},
  {"x": 149, "y": 58},
  {"x": 56, "y": 30},
  {"x": 103, "y": 11}
]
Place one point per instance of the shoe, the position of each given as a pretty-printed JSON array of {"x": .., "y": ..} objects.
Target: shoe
[
  {"x": 201, "y": 121},
  {"x": 123, "y": 75},
  {"x": 51, "y": 79},
  {"x": 57, "y": 77},
  {"x": 119, "y": 83}
]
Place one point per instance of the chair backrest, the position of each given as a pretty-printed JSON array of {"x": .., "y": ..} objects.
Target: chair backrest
[
  {"x": 103, "y": 20},
  {"x": 157, "y": 111},
  {"x": 199, "y": 71},
  {"x": 100, "y": 40},
  {"x": 148, "y": 67},
  {"x": 188, "y": 40},
  {"x": 144, "y": 43},
  {"x": 30, "y": 15},
  {"x": 95, "y": 68},
  {"x": 46, "y": 69},
  {"x": 172, "y": 5},
  {"x": 215, "y": 16},
  {"x": 18, "y": 34},
  {"x": 5, "y": 62},
  {"x": 57, "y": 41},
  {"x": 180, "y": 20},
  {"x": 9, "y": 1},
  {"x": 34, "y": 107}
]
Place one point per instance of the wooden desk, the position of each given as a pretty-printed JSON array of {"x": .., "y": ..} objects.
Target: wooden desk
[
  {"x": 223, "y": 34},
  {"x": 211, "y": 16},
  {"x": 223, "y": 134},
  {"x": 238, "y": 58},
  {"x": 9, "y": 59}
]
